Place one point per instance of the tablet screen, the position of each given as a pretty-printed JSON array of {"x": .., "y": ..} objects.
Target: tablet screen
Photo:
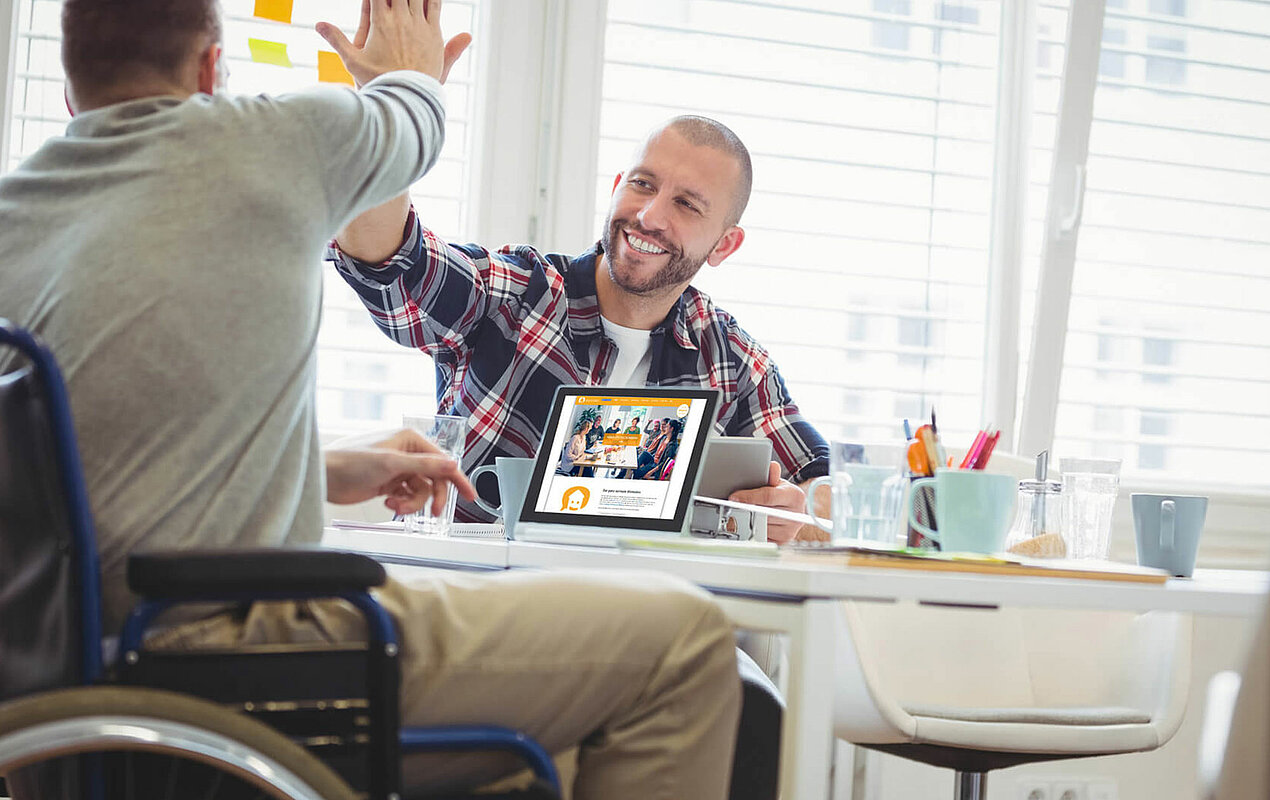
[{"x": 627, "y": 459}]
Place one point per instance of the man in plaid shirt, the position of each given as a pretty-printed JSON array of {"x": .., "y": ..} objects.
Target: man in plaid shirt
[{"x": 505, "y": 329}]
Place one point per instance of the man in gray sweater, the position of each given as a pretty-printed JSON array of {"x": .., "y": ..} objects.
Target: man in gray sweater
[{"x": 168, "y": 248}]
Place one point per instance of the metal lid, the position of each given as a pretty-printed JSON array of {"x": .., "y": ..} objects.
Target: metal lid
[{"x": 1040, "y": 487}]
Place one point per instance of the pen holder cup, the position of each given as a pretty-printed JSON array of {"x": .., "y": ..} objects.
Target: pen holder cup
[
  {"x": 922, "y": 502},
  {"x": 972, "y": 509}
]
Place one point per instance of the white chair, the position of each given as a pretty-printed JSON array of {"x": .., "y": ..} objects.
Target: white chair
[{"x": 976, "y": 690}]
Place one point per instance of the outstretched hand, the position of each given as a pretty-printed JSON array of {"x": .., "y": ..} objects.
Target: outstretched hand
[
  {"x": 393, "y": 35},
  {"x": 405, "y": 469}
]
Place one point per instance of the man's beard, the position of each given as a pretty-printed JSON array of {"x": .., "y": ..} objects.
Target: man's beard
[{"x": 679, "y": 269}]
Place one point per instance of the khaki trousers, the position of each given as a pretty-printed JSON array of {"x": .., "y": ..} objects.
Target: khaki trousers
[{"x": 636, "y": 670}]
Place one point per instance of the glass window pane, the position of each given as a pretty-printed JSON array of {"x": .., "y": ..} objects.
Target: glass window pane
[
  {"x": 1170, "y": 308},
  {"x": 864, "y": 268}
]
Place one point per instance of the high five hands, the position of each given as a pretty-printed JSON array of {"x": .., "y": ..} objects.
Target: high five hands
[{"x": 394, "y": 35}]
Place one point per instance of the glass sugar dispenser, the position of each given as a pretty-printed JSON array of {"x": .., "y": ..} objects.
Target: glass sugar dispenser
[{"x": 1037, "y": 531}]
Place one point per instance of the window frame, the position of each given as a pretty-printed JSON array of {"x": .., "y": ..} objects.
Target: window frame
[
  {"x": 542, "y": 66},
  {"x": 8, "y": 60}
]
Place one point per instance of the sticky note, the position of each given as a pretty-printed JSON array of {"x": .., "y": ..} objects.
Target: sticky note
[
  {"x": 331, "y": 69},
  {"x": 279, "y": 10},
  {"x": 265, "y": 52}
]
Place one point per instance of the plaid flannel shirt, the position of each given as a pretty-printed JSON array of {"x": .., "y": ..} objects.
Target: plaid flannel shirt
[{"x": 506, "y": 329}]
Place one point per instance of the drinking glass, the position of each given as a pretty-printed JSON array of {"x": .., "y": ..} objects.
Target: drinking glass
[
  {"x": 1090, "y": 486},
  {"x": 449, "y": 434},
  {"x": 865, "y": 500}
]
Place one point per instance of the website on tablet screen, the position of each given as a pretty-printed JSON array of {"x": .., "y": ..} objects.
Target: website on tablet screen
[{"x": 621, "y": 456}]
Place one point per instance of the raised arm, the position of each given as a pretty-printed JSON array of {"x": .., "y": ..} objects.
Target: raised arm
[
  {"x": 374, "y": 143},
  {"x": 378, "y": 233}
]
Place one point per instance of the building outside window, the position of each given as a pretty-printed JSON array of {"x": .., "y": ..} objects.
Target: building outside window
[
  {"x": 892, "y": 35},
  {"x": 1161, "y": 69}
]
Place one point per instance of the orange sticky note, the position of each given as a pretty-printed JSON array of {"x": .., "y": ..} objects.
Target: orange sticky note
[
  {"x": 331, "y": 69},
  {"x": 279, "y": 10},
  {"x": 266, "y": 52}
]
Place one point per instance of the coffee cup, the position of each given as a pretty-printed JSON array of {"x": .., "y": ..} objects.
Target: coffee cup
[
  {"x": 513, "y": 481},
  {"x": 1167, "y": 529},
  {"x": 973, "y": 509}
]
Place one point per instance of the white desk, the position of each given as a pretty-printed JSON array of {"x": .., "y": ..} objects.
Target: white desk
[{"x": 799, "y": 600}]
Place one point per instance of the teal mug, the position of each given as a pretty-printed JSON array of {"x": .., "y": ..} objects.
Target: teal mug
[
  {"x": 973, "y": 509},
  {"x": 1167, "y": 529},
  {"x": 513, "y": 481}
]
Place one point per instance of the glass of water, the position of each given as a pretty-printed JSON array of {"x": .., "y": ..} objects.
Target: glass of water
[
  {"x": 449, "y": 434},
  {"x": 865, "y": 499},
  {"x": 1090, "y": 486}
]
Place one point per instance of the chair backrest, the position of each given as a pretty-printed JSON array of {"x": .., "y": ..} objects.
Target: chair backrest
[
  {"x": 903, "y": 655},
  {"x": 50, "y": 624}
]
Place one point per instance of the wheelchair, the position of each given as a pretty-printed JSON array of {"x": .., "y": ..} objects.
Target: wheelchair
[{"x": 278, "y": 721}]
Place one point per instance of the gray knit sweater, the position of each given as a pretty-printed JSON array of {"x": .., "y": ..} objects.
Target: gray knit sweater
[{"x": 170, "y": 252}]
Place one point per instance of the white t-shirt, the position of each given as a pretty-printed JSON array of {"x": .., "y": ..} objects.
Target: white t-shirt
[{"x": 634, "y": 354}]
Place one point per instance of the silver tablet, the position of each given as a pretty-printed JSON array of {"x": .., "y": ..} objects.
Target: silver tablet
[{"x": 734, "y": 463}]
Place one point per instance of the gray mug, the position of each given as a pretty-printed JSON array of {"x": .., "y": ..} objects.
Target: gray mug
[
  {"x": 1167, "y": 528},
  {"x": 513, "y": 480}
]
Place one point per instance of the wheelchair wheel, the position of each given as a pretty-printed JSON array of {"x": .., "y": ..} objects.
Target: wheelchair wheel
[{"x": 152, "y": 744}]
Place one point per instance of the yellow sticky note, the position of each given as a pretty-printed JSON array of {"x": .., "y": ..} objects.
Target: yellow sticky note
[
  {"x": 279, "y": 10},
  {"x": 265, "y": 52},
  {"x": 331, "y": 69}
]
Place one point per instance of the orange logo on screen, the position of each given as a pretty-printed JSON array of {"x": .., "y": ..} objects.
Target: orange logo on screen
[{"x": 575, "y": 499}]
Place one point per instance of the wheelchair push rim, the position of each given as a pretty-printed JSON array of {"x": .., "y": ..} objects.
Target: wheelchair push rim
[{"x": 82, "y": 721}]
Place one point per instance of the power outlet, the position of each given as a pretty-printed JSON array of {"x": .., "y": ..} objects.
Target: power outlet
[
  {"x": 1068, "y": 790},
  {"x": 1102, "y": 790},
  {"x": 1032, "y": 789}
]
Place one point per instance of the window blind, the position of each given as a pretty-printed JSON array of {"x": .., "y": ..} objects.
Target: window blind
[
  {"x": 1167, "y": 361},
  {"x": 864, "y": 271},
  {"x": 364, "y": 381}
]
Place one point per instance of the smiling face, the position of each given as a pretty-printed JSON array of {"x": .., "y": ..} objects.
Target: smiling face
[
  {"x": 575, "y": 499},
  {"x": 671, "y": 212}
]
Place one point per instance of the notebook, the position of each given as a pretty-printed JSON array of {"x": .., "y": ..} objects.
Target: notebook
[{"x": 638, "y": 482}]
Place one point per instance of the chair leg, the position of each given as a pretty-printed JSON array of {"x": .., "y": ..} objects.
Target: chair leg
[{"x": 972, "y": 786}]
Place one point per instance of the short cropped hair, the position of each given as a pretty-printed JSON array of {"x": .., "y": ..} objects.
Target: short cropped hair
[
  {"x": 106, "y": 43},
  {"x": 706, "y": 132}
]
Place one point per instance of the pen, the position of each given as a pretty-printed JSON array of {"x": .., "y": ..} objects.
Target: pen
[
  {"x": 987, "y": 451},
  {"x": 927, "y": 440},
  {"x": 973, "y": 450},
  {"x": 941, "y": 458}
]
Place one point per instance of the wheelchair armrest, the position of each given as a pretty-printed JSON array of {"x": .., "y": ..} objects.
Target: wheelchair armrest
[{"x": 206, "y": 573}]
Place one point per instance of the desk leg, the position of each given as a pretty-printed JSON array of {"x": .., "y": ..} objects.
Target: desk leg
[
  {"x": 807, "y": 729},
  {"x": 807, "y": 734}
]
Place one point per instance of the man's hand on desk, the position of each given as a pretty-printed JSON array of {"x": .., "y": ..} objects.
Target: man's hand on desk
[
  {"x": 815, "y": 533},
  {"x": 406, "y": 469},
  {"x": 777, "y": 493}
]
